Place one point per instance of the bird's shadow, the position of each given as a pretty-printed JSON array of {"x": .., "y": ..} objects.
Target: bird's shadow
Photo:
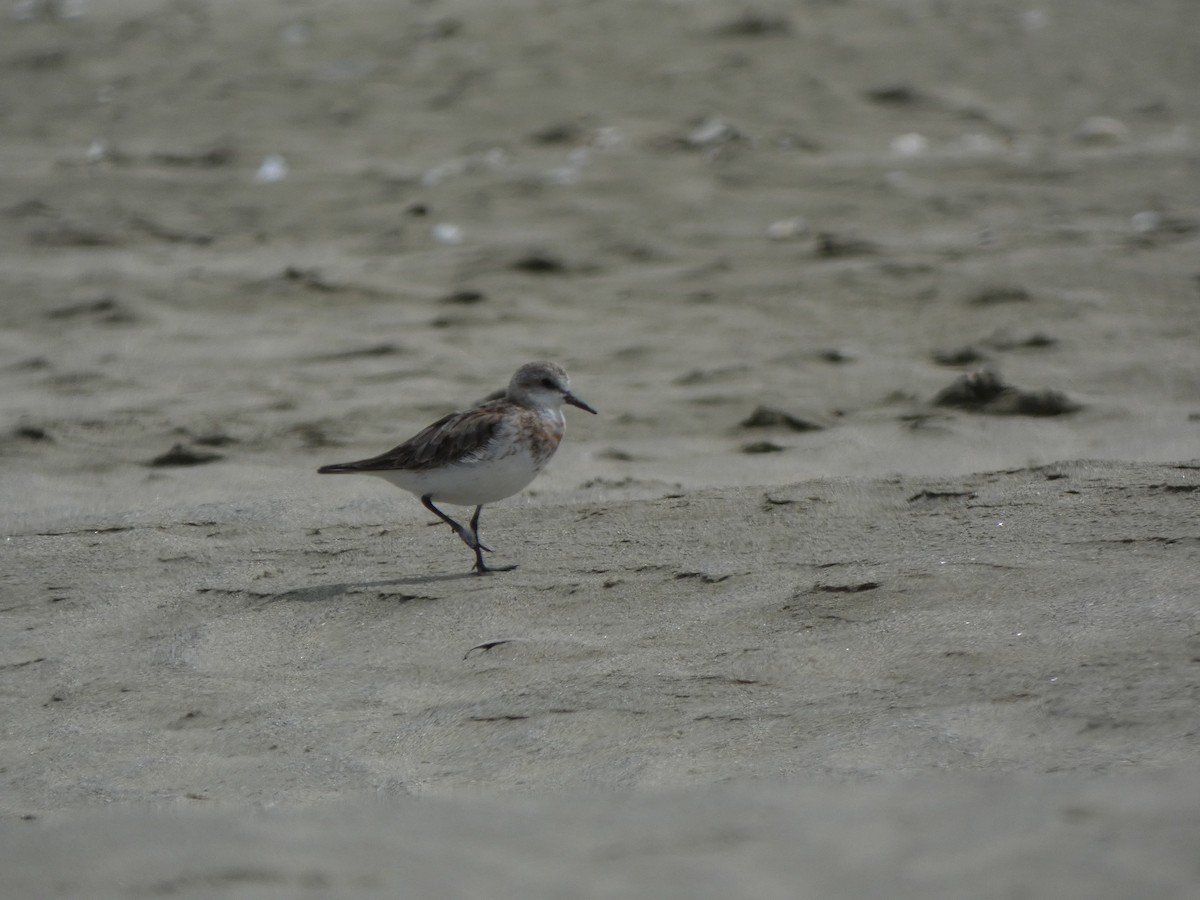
[{"x": 320, "y": 592}]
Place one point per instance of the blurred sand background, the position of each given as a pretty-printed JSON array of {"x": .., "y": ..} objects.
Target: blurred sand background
[{"x": 785, "y": 623}]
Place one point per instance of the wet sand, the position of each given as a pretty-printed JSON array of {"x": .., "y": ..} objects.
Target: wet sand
[{"x": 876, "y": 574}]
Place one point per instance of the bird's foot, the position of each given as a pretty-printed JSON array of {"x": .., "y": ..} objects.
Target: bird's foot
[
  {"x": 471, "y": 539},
  {"x": 481, "y": 569}
]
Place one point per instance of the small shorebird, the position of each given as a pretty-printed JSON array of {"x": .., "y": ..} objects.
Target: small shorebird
[{"x": 482, "y": 454}]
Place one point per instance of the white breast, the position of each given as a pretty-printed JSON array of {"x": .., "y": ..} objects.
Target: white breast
[{"x": 469, "y": 483}]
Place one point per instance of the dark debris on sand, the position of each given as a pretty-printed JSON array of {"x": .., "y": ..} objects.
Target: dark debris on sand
[
  {"x": 984, "y": 391},
  {"x": 767, "y": 417},
  {"x": 179, "y": 455}
]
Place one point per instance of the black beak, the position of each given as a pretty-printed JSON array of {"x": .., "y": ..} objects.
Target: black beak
[{"x": 575, "y": 401}]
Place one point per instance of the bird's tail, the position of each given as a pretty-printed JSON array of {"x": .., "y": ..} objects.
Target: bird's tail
[{"x": 338, "y": 469}]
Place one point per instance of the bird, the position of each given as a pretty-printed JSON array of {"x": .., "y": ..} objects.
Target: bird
[{"x": 482, "y": 454}]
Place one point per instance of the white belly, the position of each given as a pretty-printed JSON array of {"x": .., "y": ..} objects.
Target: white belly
[{"x": 468, "y": 484}]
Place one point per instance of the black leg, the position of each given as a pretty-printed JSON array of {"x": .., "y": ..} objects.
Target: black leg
[
  {"x": 481, "y": 568},
  {"x": 467, "y": 537},
  {"x": 470, "y": 538},
  {"x": 475, "y": 529}
]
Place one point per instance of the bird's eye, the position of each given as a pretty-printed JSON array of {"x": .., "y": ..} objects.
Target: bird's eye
[{"x": 547, "y": 383}]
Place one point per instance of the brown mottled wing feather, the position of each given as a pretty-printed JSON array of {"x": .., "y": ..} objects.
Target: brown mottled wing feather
[{"x": 447, "y": 440}]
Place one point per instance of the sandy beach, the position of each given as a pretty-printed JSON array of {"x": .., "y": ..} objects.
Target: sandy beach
[{"x": 875, "y": 575}]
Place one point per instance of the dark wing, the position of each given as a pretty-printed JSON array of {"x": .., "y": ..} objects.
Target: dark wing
[{"x": 447, "y": 440}]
